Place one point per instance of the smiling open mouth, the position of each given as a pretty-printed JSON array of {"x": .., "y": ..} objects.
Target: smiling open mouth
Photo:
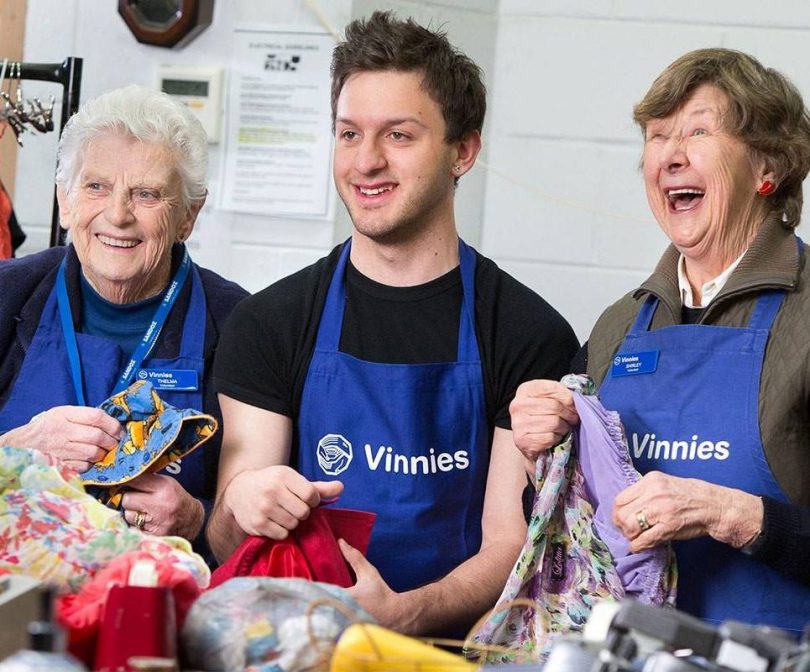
[
  {"x": 375, "y": 191},
  {"x": 684, "y": 199},
  {"x": 116, "y": 242}
]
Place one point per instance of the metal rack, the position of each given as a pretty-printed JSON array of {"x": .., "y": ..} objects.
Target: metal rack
[{"x": 68, "y": 73}]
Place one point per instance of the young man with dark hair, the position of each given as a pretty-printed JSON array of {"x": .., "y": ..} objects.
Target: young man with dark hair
[{"x": 390, "y": 363}]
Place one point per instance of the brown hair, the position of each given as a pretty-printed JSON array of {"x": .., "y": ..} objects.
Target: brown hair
[
  {"x": 383, "y": 42},
  {"x": 765, "y": 111}
]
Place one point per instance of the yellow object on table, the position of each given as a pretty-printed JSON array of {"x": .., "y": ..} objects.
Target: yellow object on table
[{"x": 364, "y": 647}]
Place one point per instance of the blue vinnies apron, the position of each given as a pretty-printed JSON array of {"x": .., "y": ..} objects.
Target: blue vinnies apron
[
  {"x": 45, "y": 381},
  {"x": 695, "y": 415},
  {"x": 409, "y": 441}
]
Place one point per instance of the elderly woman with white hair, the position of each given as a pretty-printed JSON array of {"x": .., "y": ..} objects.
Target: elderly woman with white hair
[{"x": 78, "y": 322}]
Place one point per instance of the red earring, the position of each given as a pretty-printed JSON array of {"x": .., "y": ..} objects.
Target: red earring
[{"x": 766, "y": 188}]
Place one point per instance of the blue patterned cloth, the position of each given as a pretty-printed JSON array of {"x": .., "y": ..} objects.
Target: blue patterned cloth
[{"x": 157, "y": 434}]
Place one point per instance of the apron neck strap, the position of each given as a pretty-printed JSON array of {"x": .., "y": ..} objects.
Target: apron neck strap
[
  {"x": 765, "y": 310},
  {"x": 645, "y": 315},
  {"x": 332, "y": 315},
  {"x": 193, "y": 340},
  {"x": 768, "y": 304},
  {"x": 143, "y": 349},
  {"x": 467, "y": 342},
  {"x": 69, "y": 331}
]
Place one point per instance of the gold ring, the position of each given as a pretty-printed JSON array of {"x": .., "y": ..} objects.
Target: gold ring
[
  {"x": 643, "y": 523},
  {"x": 140, "y": 519}
]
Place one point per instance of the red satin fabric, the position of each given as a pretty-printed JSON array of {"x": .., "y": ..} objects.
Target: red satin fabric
[
  {"x": 5, "y": 230},
  {"x": 310, "y": 552}
]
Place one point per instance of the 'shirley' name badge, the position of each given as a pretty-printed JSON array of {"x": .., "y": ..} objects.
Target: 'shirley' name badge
[
  {"x": 634, "y": 363},
  {"x": 179, "y": 380}
]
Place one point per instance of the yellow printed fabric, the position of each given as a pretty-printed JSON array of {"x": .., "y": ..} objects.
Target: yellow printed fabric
[{"x": 157, "y": 434}]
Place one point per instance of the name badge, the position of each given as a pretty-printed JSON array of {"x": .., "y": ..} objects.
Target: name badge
[
  {"x": 634, "y": 363},
  {"x": 179, "y": 380}
]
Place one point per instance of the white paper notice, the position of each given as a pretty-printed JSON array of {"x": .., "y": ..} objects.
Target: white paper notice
[{"x": 279, "y": 139}]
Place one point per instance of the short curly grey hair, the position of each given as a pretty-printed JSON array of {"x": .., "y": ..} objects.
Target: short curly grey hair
[{"x": 144, "y": 114}]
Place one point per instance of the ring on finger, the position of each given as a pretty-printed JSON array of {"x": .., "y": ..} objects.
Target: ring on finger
[
  {"x": 140, "y": 519},
  {"x": 642, "y": 521}
]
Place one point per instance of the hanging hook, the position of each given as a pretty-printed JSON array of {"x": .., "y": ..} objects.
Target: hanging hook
[
  {"x": 40, "y": 117},
  {"x": 18, "y": 97},
  {"x": 12, "y": 111},
  {"x": 24, "y": 115}
]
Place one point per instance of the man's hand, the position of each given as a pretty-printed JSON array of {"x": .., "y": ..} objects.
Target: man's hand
[
  {"x": 76, "y": 435},
  {"x": 168, "y": 508},
  {"x": 373, "y": 594},
  {"x": 543, "y": 413},
  {"x": 271, "y": 501},
  {"x": 684, "y": 508}
]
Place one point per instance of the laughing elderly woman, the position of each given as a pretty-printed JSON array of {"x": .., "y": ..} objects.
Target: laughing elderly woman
[
  {"x": 708, "y": 362},
  {"x": 131, "y": 180}
]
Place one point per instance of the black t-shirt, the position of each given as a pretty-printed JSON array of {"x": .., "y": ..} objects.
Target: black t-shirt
[{"x": 265, "y": 349}]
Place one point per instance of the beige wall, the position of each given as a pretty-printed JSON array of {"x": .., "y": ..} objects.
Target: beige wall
[{"x": 12, "y": 32}]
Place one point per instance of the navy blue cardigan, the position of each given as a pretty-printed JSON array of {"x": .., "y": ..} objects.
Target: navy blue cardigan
[{"x": 25, "y": 285}]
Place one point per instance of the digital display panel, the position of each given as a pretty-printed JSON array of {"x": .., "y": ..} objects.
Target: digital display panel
[{"x": 185, "y": 87}]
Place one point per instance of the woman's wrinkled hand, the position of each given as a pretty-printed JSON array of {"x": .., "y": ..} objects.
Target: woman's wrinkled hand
[
  {"x": 543, "y": 413},
  {"x": 75, "y": 435},
  {"x": 659, "y": 508},
  {"x": 167, "y": 508}
]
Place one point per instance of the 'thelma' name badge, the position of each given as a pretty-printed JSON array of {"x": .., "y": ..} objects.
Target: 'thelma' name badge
[{"x": 179, "y": 380}]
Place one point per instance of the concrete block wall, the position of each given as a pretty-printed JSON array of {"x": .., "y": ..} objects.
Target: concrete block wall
[
  {"x": 565, "y": 209},
  {"x": 253, "y": 250},
  {"x": 556, "y": 199}
]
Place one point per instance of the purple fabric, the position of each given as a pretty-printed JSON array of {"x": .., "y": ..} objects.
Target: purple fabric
[
  {"x": 573, "y": 556},
  {"x": 604, "y": 460}
]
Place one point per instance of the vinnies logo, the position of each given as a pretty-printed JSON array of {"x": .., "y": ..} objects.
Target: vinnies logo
[
  {"x": 651, "y": 447},
  {"x": 334, "y": 454}
]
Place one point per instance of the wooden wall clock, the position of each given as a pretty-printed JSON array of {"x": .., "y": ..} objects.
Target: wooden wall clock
[{"x": 166, "y": 23}]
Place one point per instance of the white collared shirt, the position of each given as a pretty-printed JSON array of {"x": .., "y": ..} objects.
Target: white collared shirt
[{"x": 709, "y": 289}]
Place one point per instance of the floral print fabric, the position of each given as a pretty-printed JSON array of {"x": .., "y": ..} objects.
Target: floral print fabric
[
  {"x": 565, "y": 566},
  {"x": 51, "y": 529}
]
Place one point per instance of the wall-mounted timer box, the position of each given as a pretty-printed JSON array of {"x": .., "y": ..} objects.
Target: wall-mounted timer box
[{"x": 200, "y": 88}]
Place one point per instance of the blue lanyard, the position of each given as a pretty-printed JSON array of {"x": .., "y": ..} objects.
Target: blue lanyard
[{"x": 144, "y": 347}]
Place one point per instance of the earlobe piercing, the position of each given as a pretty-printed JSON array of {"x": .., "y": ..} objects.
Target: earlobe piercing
[{"x": 766, "y": 188}]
